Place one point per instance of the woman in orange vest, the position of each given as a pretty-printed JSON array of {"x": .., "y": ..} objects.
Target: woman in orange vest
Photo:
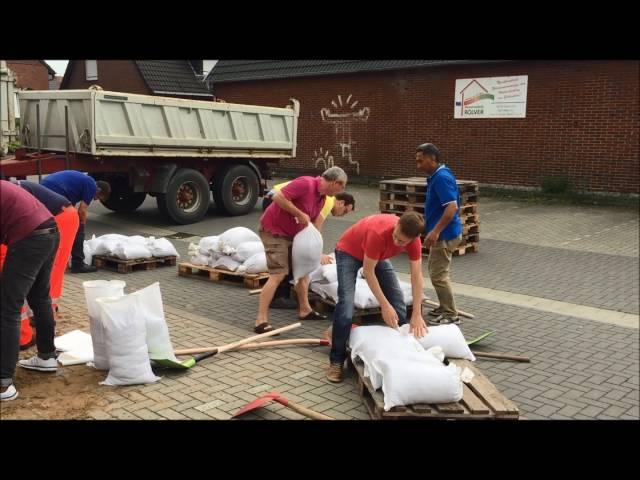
[{"x": 67, "y": 219}]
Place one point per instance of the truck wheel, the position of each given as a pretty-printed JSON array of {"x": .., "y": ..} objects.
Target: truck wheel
[
  {"x": 123, "y": 199},
  {"x": 187, "y": 198},
  {"x": 236, "y": 190}
]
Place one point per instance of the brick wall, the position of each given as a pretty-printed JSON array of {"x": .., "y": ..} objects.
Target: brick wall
[
  {"x": 31, "y": 74},
  {"x": 582, "y": 121},
  {"x": 114, "y": 75}
]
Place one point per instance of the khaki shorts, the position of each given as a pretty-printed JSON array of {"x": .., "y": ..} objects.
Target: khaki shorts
[{"x": 278, "y": 252}]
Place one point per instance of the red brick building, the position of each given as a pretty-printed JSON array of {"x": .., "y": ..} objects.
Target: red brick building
[
  {"x": 168, "y": 78},
  {"x": 32, "y": 74},
  {"x": 582, "y": 118}
]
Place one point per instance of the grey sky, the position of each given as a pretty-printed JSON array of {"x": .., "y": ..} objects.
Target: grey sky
[{"x": 58, "y": 65}]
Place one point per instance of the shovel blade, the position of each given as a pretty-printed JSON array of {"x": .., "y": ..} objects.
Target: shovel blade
[{"x": 257, "y": 403}]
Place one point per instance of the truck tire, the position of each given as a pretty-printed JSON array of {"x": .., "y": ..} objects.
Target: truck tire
[
  {"x": 187, "y": 199},
  {"x": 123, "y": 199},
  {"x": 236, "y": 189}
]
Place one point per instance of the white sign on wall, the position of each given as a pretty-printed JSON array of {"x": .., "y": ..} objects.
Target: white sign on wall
[{"x": 491, "y": 97}]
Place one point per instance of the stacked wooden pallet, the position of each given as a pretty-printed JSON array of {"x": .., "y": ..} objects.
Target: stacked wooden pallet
[
  {"x": 248, "y": 280},
  {"x": 127, "y": 266},
  {"x": 408, "y": 195}
]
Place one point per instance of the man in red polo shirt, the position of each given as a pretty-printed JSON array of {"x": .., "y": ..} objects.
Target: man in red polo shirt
[
  {"x": 294, "y": 207},
  {"x": 369, "y": 244}
]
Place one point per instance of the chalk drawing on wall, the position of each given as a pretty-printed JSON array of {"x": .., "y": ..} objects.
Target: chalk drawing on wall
[
  {"x": 322, "y": 157},
  {"x": 342, "y": 115}
]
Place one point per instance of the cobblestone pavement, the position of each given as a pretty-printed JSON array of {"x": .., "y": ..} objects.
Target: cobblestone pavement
[{"x": 581, "y": 368}]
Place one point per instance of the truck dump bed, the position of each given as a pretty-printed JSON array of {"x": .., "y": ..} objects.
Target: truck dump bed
[{"x": 104, "y": 123}]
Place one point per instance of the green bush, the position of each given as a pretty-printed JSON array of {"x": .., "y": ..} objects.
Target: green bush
[{"x": 555, "y": 185}]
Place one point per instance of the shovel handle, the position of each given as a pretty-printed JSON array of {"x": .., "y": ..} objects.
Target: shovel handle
[
  {"x": 460, "y": 312},
  {"x": 230, "y": 346},
  {"x": 255, "y": 292},
  {"x": 293, "y": 341},
  {"x": 501, "y": 356},
  {"x": 307, "y": 412}
]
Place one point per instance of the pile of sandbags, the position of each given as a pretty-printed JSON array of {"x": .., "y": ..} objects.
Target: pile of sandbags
[
  {"x": 127, "y": 248},
  {"x": 407, "y": 372},
  {"x": 324, "y": 282},
  {"x": 127, "y": 331},
  {"x": 237, "y": 250}
]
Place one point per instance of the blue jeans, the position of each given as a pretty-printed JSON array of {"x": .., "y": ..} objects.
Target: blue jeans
[
  {"x": 347, "y": 267},
  {"x": 26, "y": 274}
]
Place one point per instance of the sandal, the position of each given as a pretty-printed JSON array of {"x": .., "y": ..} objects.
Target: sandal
[
  {"x": 313, "y": 315},
  {"x": 264, "y": 328}
]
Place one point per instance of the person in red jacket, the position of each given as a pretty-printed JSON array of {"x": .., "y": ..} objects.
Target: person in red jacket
[{"x": 31, "y": 235}]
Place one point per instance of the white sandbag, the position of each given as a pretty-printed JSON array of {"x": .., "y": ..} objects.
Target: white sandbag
[
  {"x": 225, "y": 262},
  {"x": 364, "y": 297},
  {"x": 200, "y": 259},
  {"x": 107, "y": 246},
  {"x": 324, "y": 274},
  {"x": 75, "y": 348},
  {"x": 246, "y": 250},
  {"x": 193, "y": 249},
  {"x": 326, "y": 290},
  {"x": 449, "y": 338},
  {"x": 372, "y": 342},
  {"x": 158, "y": 339},
  {"x": 94, "y": 289},
  {"x": 256, "y": 263},
  {"x": 161, "y": 247},
  {"x": 112, "y": 236},
  {"x": 136, "y": 239},
  {"x": 125, "y": 330},
  {"x": 131, "y": 251},
  {"x": 209, "y": 244},
  {"x": 88, "y": 253},
  {"x": 235, "y": 236},
  {"x": 407, "y": 381},
  {"x": 306, "y": 251}
]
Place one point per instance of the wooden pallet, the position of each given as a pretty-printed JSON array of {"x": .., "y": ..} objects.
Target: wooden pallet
[
  {"x": 400, "y": 207},
  {"x": 469, "y": 247},
  {"x": 249, "y": 280},
  {"x": 420, "y": 197},
  {"x": 481, "y": 400},
  {"x": 419, "y": 185},
  {"x": 128, "y": 266}
]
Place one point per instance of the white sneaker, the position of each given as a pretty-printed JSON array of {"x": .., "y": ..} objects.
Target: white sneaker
[
  {"x": 9, "y": 394},
  {"x": 36, "y": 363}
]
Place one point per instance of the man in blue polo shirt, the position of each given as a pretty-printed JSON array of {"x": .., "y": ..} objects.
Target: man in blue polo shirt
[
  {"x": 442, "y": 227},
  {"x": 78, "y": 188}
]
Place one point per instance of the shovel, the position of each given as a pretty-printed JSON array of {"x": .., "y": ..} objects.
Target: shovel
[
  {"x": 501, "y": 356},
  {"x": 481, "y": 337},
  {"x": 263, "y": 400},
  {"x": 274, "y": 343},
  {"x": 207, "y": 352}
]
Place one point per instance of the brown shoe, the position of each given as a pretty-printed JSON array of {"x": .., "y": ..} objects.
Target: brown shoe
[{"x": 335, "y": 374}]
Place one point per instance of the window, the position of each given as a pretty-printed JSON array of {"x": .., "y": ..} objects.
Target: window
[{"x": 91, "y": 68}]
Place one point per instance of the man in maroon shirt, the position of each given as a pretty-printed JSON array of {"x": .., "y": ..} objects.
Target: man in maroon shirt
[
  {"x": 31, "y": 235},
  {"x": 294, "y": 207},
  {"x": 369, "y": 244}
]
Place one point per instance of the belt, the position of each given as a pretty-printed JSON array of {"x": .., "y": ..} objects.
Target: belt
[{"x": 43, "y": 231}]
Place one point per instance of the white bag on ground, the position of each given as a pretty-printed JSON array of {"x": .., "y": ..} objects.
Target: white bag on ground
[
  {"x": 131, "y": 251},
  {"x": 209, "y": 244},
  {"x": 450, "y": 338},
  {"x": 94, "y": 289},
  {"x": 161, "y": 247},
  {"x": 306, "y": 251},
  {"x": 225, "y": 262},
  {"x": 235, "y": 236},
  {"x": 107, "y": 246},
  {"x": 125, "y": 330},
  {"x": 200, "y": 259},
  {"x": 158, "y": 339},
  {"x": 75, "y": 347},
  {"x": 89, "y": 248},
  {"x": 136, "y": 239},
  {"x": 256, "y": 263},
  {"x": 326, "y": 290},
  {"x": 246, "y": 250},
  {"x": 406, "y": 382}
]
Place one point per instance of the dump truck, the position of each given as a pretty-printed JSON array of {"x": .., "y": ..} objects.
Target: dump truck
[{"x": 179, "y": 151}]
